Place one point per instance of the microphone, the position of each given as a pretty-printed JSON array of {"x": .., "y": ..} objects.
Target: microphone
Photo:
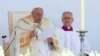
[
  {"x": 4, "y": 36},
  {"x": 36, "y": 29}
]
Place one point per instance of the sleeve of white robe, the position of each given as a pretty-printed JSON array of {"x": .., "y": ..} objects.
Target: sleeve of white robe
[
  {"x": 47, "y": 27},
  {"x": 20, "y": 25},
  {"x": 17, "y": 43},
  {"x": 23, "y": 25}
]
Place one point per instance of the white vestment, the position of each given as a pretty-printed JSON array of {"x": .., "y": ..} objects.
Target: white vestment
[
  {"x": 37, "y": 46},
  {"x": 71, "y": 41}
]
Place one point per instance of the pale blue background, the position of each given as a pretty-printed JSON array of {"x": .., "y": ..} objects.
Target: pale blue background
[{"x": 53, "y": 10}]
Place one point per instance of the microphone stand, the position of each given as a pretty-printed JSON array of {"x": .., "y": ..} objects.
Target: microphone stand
[{"x": 3, "y": 37}]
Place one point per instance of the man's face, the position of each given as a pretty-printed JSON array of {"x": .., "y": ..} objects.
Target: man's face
[
  {"x": 37, "y": 15},
  {"x": 67, "y": 19}
]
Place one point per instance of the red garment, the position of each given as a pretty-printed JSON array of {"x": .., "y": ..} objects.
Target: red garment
[{"x": 67, "y": 28}]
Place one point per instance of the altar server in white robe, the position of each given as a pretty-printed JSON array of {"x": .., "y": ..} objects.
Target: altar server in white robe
[
  {"x": 25, "y": 34},
  {"x": 68, "y": 37}
]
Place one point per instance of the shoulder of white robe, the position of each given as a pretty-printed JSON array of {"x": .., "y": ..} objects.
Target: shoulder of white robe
[
  {"x": 46, "y": 21},
  {"x": 75, "y": 29},
  {"x": 23, "y": 25},
  {"x": 59, "y": 30}
]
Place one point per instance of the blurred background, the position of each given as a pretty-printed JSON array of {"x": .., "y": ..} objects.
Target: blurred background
[{"x": 53, "y": 10}]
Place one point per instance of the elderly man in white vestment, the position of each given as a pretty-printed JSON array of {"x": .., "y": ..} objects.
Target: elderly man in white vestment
[
  {"x": 27, "y": 29},
  {"x": 68, "y": 37}
]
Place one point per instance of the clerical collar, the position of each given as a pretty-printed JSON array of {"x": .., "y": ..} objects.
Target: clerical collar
[{"x": 67, "y": 28}]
